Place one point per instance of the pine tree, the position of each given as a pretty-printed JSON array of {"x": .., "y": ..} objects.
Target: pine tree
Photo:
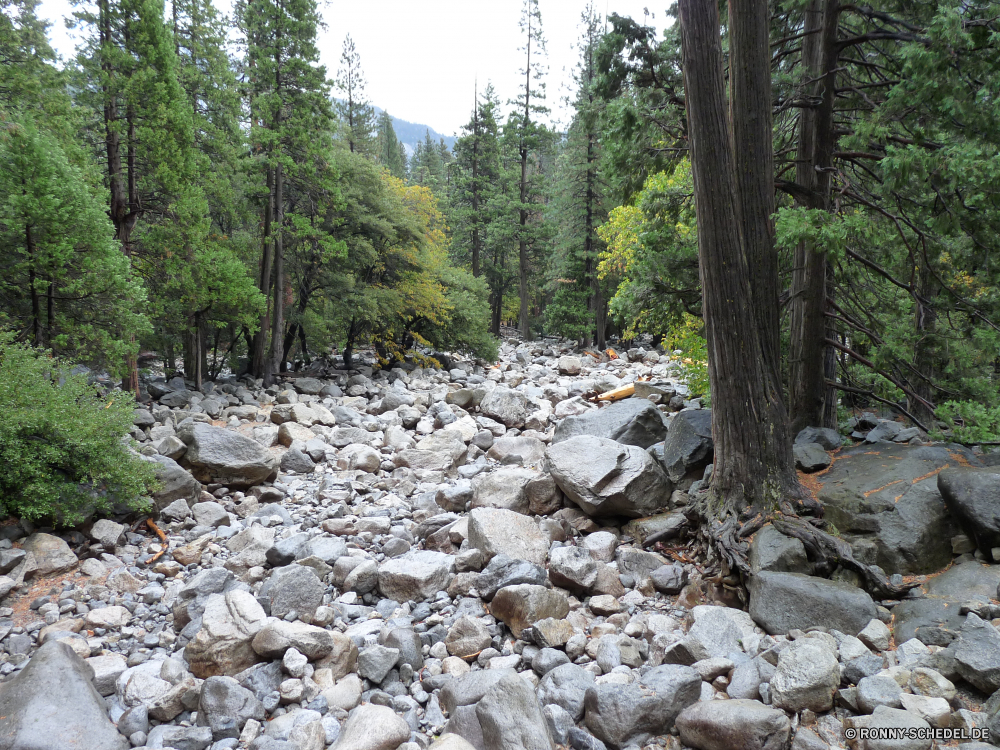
[
  {"x": 357, "y": 116},
  {"x": 391, "y": 155},
  {"x": 287, "y": 95},
  {"x": 579, "y": 308},
  {"x": 531, "y": 136},
  {"x": 128, "y": 75}
]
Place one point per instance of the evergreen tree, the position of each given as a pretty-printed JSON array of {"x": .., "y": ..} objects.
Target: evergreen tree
[
  {"x": 426, "y": 167},
  {"x": 531, "y": 139},
  {"x": 391, "y": 155},
  {"x": 357, "y": 116},
  {"x": 579, "y": 308},
  {"x": 289, "y": 106}
]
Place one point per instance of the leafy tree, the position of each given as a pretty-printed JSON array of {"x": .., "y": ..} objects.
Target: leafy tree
[{"x": 61, "y": 441}]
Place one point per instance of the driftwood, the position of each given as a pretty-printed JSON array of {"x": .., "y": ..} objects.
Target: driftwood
[
  {"x": 618, "y": 393},
  {"x": 163, "y": 539}
]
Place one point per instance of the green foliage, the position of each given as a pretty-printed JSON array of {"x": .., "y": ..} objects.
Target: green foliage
[
  {"x": 968, "y": 422},
  {"x": 61, "y": 441},
  {"x": 466, "y": 328},
  {"x": 688, "y": 337}
]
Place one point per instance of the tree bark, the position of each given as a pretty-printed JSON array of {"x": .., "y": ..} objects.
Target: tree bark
[
  {"x": 808, "y": 391},
  {"x": 753, "y": 470},
  {"x": 522, "y": 245}
]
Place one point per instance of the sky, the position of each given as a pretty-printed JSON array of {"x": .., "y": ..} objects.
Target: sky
[{"x": 423, "y": 58}]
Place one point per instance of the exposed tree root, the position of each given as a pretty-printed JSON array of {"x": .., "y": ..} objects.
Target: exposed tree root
[
  {"x": 163, "y": 540},
  {"x": 726, "y": 538}
]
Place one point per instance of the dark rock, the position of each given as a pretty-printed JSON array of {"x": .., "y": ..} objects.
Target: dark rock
[
  {"x": 688, "y": 444},
  {"x": 507, "y": 571},
  {"x": 632, "y": 421},
  {"x": 973, "y": 497},
  {"x": 566, "y": 686},
  {"x": 888, "y": 494},
  {"x": 826, "y": 437},
  {"x": 225, "y": 707},
  {"x": 669, "y": 579},
  {"x": 978, "y": 654},
  {"x": 773, "y": 551},
  {"x": 225, "y": 456},
  {"x": 782, "y": 601},
  {"x": 810, "y": 457}
]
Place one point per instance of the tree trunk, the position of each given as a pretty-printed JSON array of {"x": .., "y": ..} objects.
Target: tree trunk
[
  {"x": 522, "y": 245},
  {"x": 925, "y": 355},
  {"x": 258, "y": 358},
  {"x": 475, "y": 189},
  {"x": 807, "y": 387},
  {"x": 753, "y": 470},
  {"x": 278, "y": 318}
]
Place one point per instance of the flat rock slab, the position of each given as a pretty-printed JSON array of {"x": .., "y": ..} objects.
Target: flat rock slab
[
  {"x": 938, "y": 615},
  {"x": 889, "y": 494},
  {"x": 723, "y": 725},
  {"x": 632, "y": 421}
]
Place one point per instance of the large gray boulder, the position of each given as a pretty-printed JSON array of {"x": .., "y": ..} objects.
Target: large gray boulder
[
  {"x": 511, "y": 717},
  {"x": 372, "y": 727},
  {"x": 496, "y": 531},
  {"x": 978, "y": 654},
  {"x": 506, "y": 405},
  {"x": 621, "y": 715},
  {"x": 606, "y": 478},
  {"x": 688, "y": 444},
  {"x": 937, "y": 618},
  {"x": 225, "y": 456},
  {"x": 225, "y": 706},
  {"x": 782, "y": 601},
  {"x": 888, "y": 494},
  {"x": 503, "y": 488},
  {"x": 415, "y": 576},
  {"x": 633, "y": 421},
  {"x": 973, "y": 497},
  {"x": 724, "y": 725},
  {"x": 773, "y": 551},
  {"x": 806, "y": 676},
  {"x": 52, "y": 703},
  {"x": 175, "y": 483},
  {"x": 223, "y": 644}
]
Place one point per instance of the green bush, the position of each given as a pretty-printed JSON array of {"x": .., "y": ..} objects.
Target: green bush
[
  {"x": 61, "y": 441},
  {"x": 968, "y": 422}
]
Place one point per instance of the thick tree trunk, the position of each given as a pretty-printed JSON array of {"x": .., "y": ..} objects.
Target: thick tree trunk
[
  {"x": 753, "y": 470},
  {"x": 807, "y": 387}
]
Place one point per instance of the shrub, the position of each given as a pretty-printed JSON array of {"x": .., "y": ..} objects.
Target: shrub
[
  {"x": 968, "y": 422},
  {"x": 61, "y": 441}
]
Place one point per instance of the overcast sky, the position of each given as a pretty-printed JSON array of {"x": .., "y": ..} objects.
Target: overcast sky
[{"x": 422, "y": 57}]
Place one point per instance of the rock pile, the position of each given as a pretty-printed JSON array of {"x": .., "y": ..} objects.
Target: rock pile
[{"x": 422, "y": 559}]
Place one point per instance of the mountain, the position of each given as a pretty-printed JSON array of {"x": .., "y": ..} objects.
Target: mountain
[{"x": 412, "y": 133}]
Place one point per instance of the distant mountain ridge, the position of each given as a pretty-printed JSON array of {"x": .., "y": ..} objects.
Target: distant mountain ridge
[{"x": 412, "y": 133}]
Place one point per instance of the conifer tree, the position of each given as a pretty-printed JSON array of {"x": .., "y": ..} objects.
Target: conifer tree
[
  {"x": 287, "y": 94},
  {"x": 357, "y": 116},
  {"x": 391, "y": 155}
]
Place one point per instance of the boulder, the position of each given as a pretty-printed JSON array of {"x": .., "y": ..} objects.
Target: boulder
[
  {"x": 506, "y": 449},
  {"x": 888, "y": 494},
  {"x": 52, "y": 703},
  {"x": 723, "y": 725},
  {"x": 825, "y": 437},
  {"x": 810, "y": 457},
  {"x": 621, "y": 715},
  {"x": 498, "y": 531},
  {"x": 568, "y": 365},
  {"x": 416, "y": 575},
  {"x": 939, "y": 617},
  {"x": 51, "y": 555},
  {"x": 469, "y": 689},
  {"x": 806, "y": 676},
  {"x": 977, "y": 654},
  {"x": 225, "y": 707},
  {"x": 372, "y": 727},
  {"x": 525, "y": 604},
  {"x": 772, "y": 551},
  {"x": 566, "y": 686},
  {"x": 277, "y": 636},
  {"x": 572, "y": 568},
  {"x": 223, "y": 644},
  {"x": 606, "y": 478},
  {"x": 503, "y": 571},
  {"x": 511, "y": 717},
  {"x": 632, "y": 421},
  {"x": 503, "y": 488},
  {"x": 782, "y": 601},
  {"x": 293, "y": 588},
  {"x": 507, "y": 406},
  {"x": 688, "y": 444},
  {"x": 225, "y": 456},
  {"x": 973, "y": 497}
]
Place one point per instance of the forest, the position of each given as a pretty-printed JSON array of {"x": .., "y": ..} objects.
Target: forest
[{"x": 198, "y": 188}]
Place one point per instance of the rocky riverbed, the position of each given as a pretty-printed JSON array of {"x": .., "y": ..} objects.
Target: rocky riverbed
[{"x": 466, "y": 558}]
